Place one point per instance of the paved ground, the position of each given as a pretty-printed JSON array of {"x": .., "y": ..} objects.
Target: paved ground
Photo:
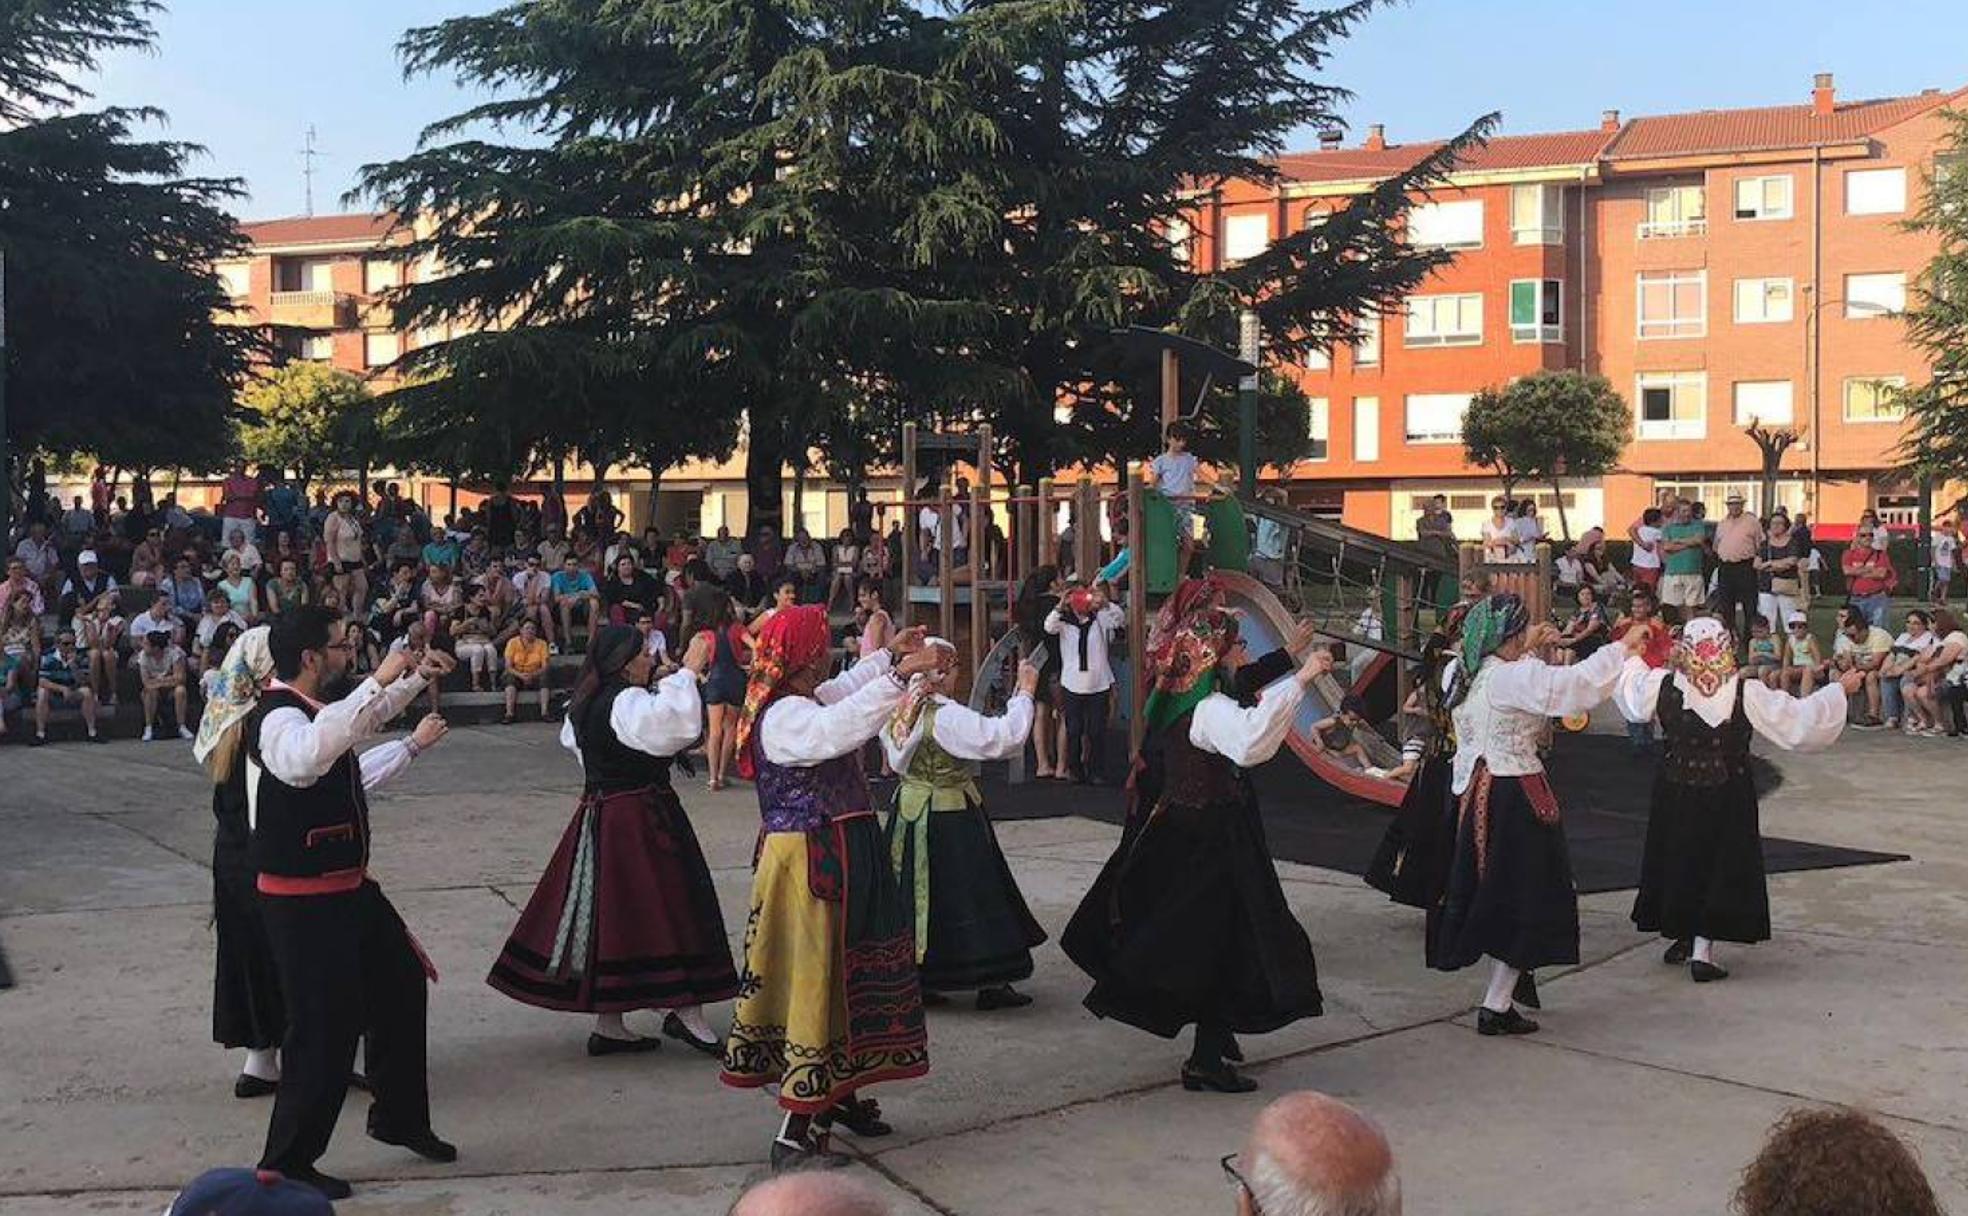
[{"x": 1644, "y": 1093}]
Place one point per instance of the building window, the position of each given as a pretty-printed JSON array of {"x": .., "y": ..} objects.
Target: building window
[
  {"x": 1875, "y": 191},
  {"x": 1764, "y": 301},
  {"x": 1318, "y": 359},
  {"x": 1318, "y": 426},
  {"x": 1763, "y": 198},
  {"x": 1874, "y": 399},
  {"x": 378, "y": 275},
  {"x": 1445, "y": 320},
  {"x": 1537, "y": 310},
  {"x": 1366, "y": 352},
  {"x": 1435, "y": 417},
  {"x": 1764, "y": 401},
  {"x": 380, "y": 349},
  {"x": 1714, "y": 493},
  {"x": 1245, "y": 236},
  {"x": 1675, "y": 211},
  {"x": 237, "y": 277},
  {"x": 1451, "y": 225},
  {"x": 303, "y": 274},
  {"x": 1874, "y": 295},
  {"x": 1673, "y": 405},
  {"x": 314, "y": 348},
  {"x": 1366, "y": 428},
  {"x": 1537, "y": 215},
  {"x": 1674, "y": 304}
]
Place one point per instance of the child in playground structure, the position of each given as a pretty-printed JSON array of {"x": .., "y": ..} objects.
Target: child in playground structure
[
  {"x": 1174, "y": 472},
  {"x": 1335, "y": 735}
]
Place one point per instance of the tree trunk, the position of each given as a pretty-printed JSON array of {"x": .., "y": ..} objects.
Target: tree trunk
[
  {"x": 765, "y": 459},
  {"x": 1558, "y": 498}
]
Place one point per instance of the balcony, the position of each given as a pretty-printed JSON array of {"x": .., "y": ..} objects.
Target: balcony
[
  {"x": 1654, "y": 230},
  {"x": 314, "y": 309}
]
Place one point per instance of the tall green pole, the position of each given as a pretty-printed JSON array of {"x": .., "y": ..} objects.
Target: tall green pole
[{"x": 1250, "y": 337}]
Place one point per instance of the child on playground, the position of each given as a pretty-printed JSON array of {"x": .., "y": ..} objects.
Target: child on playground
[
  {"x": 1336, "y": 735},
  {"x": 1174, "y": 472}
]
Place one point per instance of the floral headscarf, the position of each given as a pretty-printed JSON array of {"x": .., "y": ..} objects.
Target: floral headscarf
[
  {"x": 902, "y": 723},
  {"x": 1705, "y": 655},
  {"x": 793, "y": 640},
  {"x": 1486, "y": 627},
  {"x": 242, "y": 676},
  {"x": 1191, "y": 635}
]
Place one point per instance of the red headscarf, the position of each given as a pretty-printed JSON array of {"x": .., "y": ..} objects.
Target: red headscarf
[{"x": 793, "y": 640}]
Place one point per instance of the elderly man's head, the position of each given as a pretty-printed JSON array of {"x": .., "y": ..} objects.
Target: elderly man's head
[
  {"x": 1311, "y": 1155},
  {"x": 811, "y": 1193}
]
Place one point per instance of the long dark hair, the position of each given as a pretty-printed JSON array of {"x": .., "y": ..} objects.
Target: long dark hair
[
  {"x": 709, "y": 606},
  {"x": 612, "y": 648},
  {"x": 1029, "y": 609}
]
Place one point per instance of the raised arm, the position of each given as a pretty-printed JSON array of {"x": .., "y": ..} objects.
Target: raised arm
[
  {"x": 1246, "y": 737},
  {"x": 869, "y": 668},
  {"x": 969, "y": 735},
  {"x": 1533, "y": 686},
  {"x": 663, "y": 722},
  {"x": 299, "y": 752},
  {"x": 1054, "y": 624},
  {"x": 1638, "y": 689},
  {"x": 802, "y": 732},
  {"x": 1796, "y": 724}
]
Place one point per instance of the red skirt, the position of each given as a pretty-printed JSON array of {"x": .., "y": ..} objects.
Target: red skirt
[{"x": 626, "y": 916}]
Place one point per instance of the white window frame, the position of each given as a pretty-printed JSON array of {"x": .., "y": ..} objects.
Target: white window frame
[
  {"x": 1318, "y": 425},
  {"x": 1539, "y": 330},
  {"x": 1537, "y": 214},
  {"x": 1669, "y": 213},
  {"x": 237, "y": 277},
  {"x": 1759, "y": 292},
  {"x": 1845, "y": 400},
  {"x": 1366, "y": 429},
  {"x": 1760, "y": 207},
  {"x": 394, "y": 343},
  {"x": 1430, "y": 308},
  {"x": 317, "y": 348},
  {"x": 1766, "y": 412},
  {"x": 1671, "y": 427},
  {"x": 1673, "y": 326},
  {"x": 1318, "y": 359},
  {"x": 1433, "y": 433},
  {"x": 1366, "y": 352},
  {"x": 1245, "y": 236},
  {"x": 1872, "y": 297},
  {"x": 1876, "y": 191},
  {"x": 380, "y": 275},
  {"x": 1451, "y": 217}
]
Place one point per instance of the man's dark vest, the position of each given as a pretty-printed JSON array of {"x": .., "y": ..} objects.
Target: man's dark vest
[{"x": 320, "y": 832}]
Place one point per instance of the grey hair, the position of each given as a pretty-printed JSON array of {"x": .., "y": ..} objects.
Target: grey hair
[{"x": 1275, "y": 1192}]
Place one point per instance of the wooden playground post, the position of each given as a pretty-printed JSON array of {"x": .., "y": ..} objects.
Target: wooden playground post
[
  {"x": 1404, "y": 628},
  {"x": 1044, "y": 539},
  {"x": 1021, "y": 536},
  {"x": 908, "y": 571},
  {"x": 980, "y": 603},
  {"x": 946, "y": 559},
  {"x": 1171, "y": 388},
  {"x": 1137, "y": 613},
  {"x": 1086, "y": 531}
]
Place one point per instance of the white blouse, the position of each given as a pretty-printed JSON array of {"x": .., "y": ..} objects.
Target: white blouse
[
  {"x": 660, "y": 723},
  {"x": 1246, "y": 737},
  {"x": 965, "y": 733},
  {"x": 840, "y": 716},
  {"x": 1501, "y": 719},
  {"x": 1792, "y": 723}
]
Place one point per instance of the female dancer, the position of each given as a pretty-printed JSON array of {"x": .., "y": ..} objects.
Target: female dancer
[
  {"x": 711, "y": 616},
  {"x": 625, "y": 916},
  {"x": 246, "y": 1008},
  {"x": 830, "y": 1002},
  {"x": 973, "y": 929},
  {"x": 1412, "y": 863},
  {"x": 1509, "y": 893},
  {"x": 1701, "y": 876},
  {"x": 1187, "y": 923}
]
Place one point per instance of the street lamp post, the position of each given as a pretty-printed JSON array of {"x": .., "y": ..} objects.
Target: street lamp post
[{"x": 1249, "y": 338}]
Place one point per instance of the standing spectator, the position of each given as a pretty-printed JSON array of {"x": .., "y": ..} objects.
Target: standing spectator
[
  {"x": 241, "y": 499},
  {"x": 64, "y": 678},
  {"x": 342, "y": 539},
  {"x": 553, "y": 518},
  {"x": 1683, "y": 544},
  {"x": 40, "y": 557},
  {"x": 160, "y": 668},
  {"x": 1500, "y": 532},
  {"x": 1780, "y": 575},
  {"x": 1834, "y": 1162},
  {"x": 101, "y": 496},
  {"x": 1085, "y": 623},
  {"x": 599, "y": 517},
  {"x": 1267, "y": 560},
  {"x": 722, "y": 554},
  {"x": 1804, "y": 666},
  {"x": 1529, "y": 529},
  {"x": 747, "y": 585},
  {"x": 501, "y": 520},
  {"x": 1863, "y": 647},
  {"x": 1435, "y": 530},
  {"x": 807, "y": 562},
  {"x": 1647, "y": 536},
  {"x": 1869, "y": 575},
  {"x": 847, "y": 565},
  {"x": 1308, "y": 1153},
  {"x": 1947, "y": 546},
  {"x": 78, "y": 524},
  {"x": 526, "y": 667},
  {"x": 1645, "y": 615},
  {"x": 1914, "y": 642},
  {"x": 283, "y": 504},
  {"x": 1174, "y": 476},
  {"x": 574, "y": 591},
  {"x": 861, "y": 517},
  {"x": 724, "y": 680},
  {"x": 1738, "y": 540}
]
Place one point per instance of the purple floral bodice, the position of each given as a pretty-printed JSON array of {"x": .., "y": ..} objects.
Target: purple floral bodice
[{"x": 802, "y": 799}]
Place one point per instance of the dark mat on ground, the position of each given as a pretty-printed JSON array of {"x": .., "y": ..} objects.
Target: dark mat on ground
[{"x": 1604, "y": 791}]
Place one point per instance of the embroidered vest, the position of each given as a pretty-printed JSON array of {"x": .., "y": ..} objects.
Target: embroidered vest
[
  {"x": 796, "y": 799},
  {"x": 1192, "y": 776},
  {"x": 1692, "y": 751},
  {"x": 1503, "y": 738}
]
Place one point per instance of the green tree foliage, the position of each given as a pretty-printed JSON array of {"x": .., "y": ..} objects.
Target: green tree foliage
[
  {"x": 309, "y": 418},
  {"x": 1545, "y": 427},
  {"x": 1936, "y": 441}
]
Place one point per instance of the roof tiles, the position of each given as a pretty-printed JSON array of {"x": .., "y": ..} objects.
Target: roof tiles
[{"x": 321, "y": 229}]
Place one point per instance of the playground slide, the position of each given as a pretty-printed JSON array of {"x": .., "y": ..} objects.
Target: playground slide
[{"x": 1265, "y": 624}]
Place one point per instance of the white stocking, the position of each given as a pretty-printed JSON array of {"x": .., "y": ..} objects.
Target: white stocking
[
  {"x": 692, "y": 1017},
  {"x": 1703, "y": 951},
  {"x": 263, "y": 1062},
  {"x": 1503, "y": 978},
  {"x": 609, "y": 1026}
]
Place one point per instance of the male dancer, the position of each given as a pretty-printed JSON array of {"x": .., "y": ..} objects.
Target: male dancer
[{"x": 348, "y": 967}]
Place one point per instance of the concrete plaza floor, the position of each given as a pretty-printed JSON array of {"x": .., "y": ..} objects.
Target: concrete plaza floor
[{"x": 1644, "y": 1093}]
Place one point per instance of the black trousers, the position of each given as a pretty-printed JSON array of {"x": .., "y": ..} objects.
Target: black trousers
[
  {"x": 347, "y": 971},
  {"x": 1086, "y": 733},
  {"x": 1735, "y": 587}
]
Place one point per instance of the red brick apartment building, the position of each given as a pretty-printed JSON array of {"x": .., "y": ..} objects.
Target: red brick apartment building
[
  {"x": 1712, "y": 265},
  {"x": 319, "y": 279}
]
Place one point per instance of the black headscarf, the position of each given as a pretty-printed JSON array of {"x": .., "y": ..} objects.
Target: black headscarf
[{"x": 610, "y": 650}]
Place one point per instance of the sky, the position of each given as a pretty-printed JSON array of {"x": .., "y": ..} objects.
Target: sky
[{"x": 246, "y": 78}]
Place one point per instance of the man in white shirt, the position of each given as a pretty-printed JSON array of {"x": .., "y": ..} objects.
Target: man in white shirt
[{"x": 1085, "y": 622}]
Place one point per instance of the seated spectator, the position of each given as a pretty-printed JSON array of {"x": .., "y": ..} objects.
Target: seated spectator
[
  {"x": 238, "y": 588},
  {"x": 416, "y": 640},
  {"x": 403, "y": 550},
  {"x": 526, "y": 667},
  {"x": 160, "y": 668},
  {"x": 1935, "y": 683},
  {"x": 806, "y": 561},
  {"x": 552, "y": 548},
  {"x": 158, "y": 618},
  {"x": 218, "y": 611},
  {"x": 41, "y": 559},
  {"x": 1862, "y": 647},
  {"x": 502, "y": 599},
  {"x": 240, "y": 546},
  {"x": 811, "y": 1193},
  {"x": 1804, "y": 666},
  {"x": 1765, "y": 656},
  {"x": 1589, "y": 629},
  {"x": 1914, "y": 642},
  {"x": 242, "y": 1192},
  {"x": 441, "y": 550},
  {"x": 534, "y": 587},
  {"x": 655, "y": 643},
  {"x": 186, "y": 589},
  {"x": 90, "y": 581},
  {"x": 288, "y": 589},
  {"x": 1869, "y": 576},
  {"x": 574, "y": 591},
  {"x": 847, "y": 562},
  {"x": 722, "y": 554},
  {"x": 471, "y": 640},
  {"x": 1310, "y": 1153},
  {"x": 629, "y": 590},
  {"x": 147, "y": 566},
  {"x": 99, "y": 630},
  {"x": 476, "y": 557},
  {"x": 747, "y": 585},
  {"x": 19, "y": 582},
  {"x": 1834, "y": 1162},
  {"x": 1338, "y": 734},
  {"x": 64, "y": 678}
]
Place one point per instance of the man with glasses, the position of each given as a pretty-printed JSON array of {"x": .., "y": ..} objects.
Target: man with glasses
[
  {"x": 348, "y": 967},
  {"x": 1311, "y": 1153}
]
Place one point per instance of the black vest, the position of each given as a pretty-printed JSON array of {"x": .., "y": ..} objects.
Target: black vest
[
  {"x": 612, "y": 765},
  {"x": 305, "y": 833},
  {"x": 1695, "y": 753}
]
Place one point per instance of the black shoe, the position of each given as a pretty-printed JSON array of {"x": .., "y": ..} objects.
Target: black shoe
[
  {"x": 862, "y": 1116},
  {"x": 424, "y": 1143},
  {"x": 934, "y": 1000},
  {"x": 1004, "y": 996},
  {"x": 1678, "y": 952},
  {"x": 1706, "y": 973},
  {"x": 330, "y": 1186},
  {"x": 249, "y": 1086},
  {"x": 360, "y": 1081},
  {"x": 602, "y": 1045},
  {"x": 1489, "y": 1021},
  {"x": 673, "y": 1026},
  {"x": 812, "y": 1153},
  {"x": 1219, "y": 1077},
  {"x": 1231, "y": 1050},
  {"x": 37, "y": 740},
  {"x": 1526, "y": 992}
]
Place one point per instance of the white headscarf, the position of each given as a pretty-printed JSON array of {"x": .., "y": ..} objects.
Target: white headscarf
[
  {"x": 1707, "y": 642},
  {"x": 242, "y": 676},
  {"x": 908, "y": 715}
]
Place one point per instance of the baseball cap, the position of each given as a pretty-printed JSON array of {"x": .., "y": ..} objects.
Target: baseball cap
[
  {"x": 86, "y": 558},
  {"x": 1795, "y": 618},
  {"x": 1735, "y": 498},
  {"x": 243, "y": 1192}
]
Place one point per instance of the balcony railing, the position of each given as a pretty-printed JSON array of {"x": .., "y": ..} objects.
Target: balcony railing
[
  {"x": 1656, "y": 229},
  {"x": 314, "y": 309}
]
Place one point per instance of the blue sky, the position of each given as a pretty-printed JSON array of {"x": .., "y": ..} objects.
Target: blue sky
[{"x": 247, "y": 77}]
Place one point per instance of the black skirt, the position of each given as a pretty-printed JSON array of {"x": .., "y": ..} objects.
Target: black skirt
[
  {"x": 1187, "y": 924},
  {"x": 246, "y": 1002},
  {"x": 1412, "y": 863},
  {"x": 981, "y": 934},
  {"x": 1513, "y": 899},
  {"x": 1702, "y": 872}
]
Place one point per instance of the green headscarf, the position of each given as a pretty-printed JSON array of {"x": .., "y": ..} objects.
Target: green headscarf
[{"x": 1489, "y": 623}]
